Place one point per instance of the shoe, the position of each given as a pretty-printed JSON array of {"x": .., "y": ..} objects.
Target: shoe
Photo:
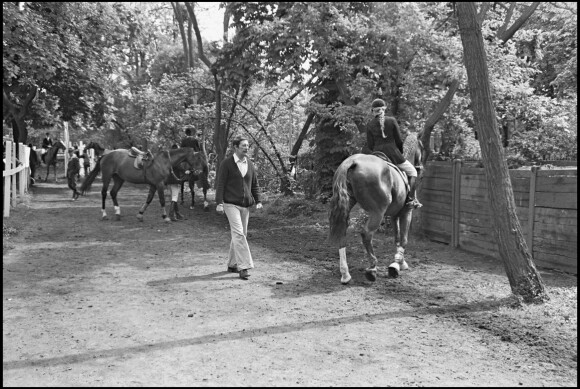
[
  {"x": 233, "y": 269},
  {"x": 244, "y": 274}
]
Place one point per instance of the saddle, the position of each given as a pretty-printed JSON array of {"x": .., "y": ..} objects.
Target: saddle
[
  {"x": 384, "y": 157},
  {"x": 140, "y": 157}
]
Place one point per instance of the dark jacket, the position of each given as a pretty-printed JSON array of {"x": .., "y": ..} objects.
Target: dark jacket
[
  {"x": 73, "y": 168},
  {"x": 46, "y": 143},
  {"x": 391, "y": 145},
  {"x": 232, "y": 188},
  {"x": 190, "y": 141}
]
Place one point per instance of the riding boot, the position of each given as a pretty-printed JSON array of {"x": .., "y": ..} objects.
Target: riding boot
[
  {"x": 178, "y": 215},
  {"x": 411, "y": 196},
  {"x": 172, "y": 212}
]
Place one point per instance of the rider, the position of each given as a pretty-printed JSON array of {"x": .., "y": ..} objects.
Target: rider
[
  {"x": 46, "y": 144},
  {"x": 383, "y": 135},
  {"x": 190, "y": 141},
  {"x": 195, "y": 143}
]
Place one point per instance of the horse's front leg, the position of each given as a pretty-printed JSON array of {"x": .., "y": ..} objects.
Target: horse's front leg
[
  {"x": 150, "y": 196},
  {"x": 372, "y": 224},
  {"x": 161, "y": 194},
  {"x": 401, "y": 224}
]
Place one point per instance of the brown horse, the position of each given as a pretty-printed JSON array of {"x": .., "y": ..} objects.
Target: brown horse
[
  {"x": 50, "y": 157},
  {"x": 99, "y": 151},
  {"x": 119, "y": 166},
  {"x": 380, "y": 189}
]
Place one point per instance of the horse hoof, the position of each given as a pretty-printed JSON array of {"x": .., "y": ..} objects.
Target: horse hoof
[
  {"x": 371, "y": 275},
  {"x": 394, "y": 270},
  {"x": 167, "y": 220},
  {"x": 139, "y": 217},
  {"x": 105, "y": 218},
  {"x": 191, "y": 207},
  {"x": 345, "y": 280}
]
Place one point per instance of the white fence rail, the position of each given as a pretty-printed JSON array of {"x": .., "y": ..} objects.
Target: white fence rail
[{"x": 16, "y": 174}]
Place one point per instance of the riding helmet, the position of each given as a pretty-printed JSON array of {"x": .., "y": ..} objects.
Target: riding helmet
[{"x": 378, "y": 103}]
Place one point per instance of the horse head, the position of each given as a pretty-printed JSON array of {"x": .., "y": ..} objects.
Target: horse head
[
  {"x": 196, "y": 160},
  {"x": 59, "y": 145}
]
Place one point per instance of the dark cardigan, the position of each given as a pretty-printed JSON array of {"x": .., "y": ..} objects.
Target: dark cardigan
[{"x": 232, "y": 188}]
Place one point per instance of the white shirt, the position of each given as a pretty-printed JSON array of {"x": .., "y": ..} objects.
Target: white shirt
[{"x": 242, "y": 164}]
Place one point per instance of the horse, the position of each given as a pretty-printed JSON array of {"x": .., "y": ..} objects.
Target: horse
[
  {"x": 50, "y": 157},
  {"x": 203, "y": 180},
  {"x": 380, "y": 188},
  {"x": 99, "y": 151},
  {"x": 119, "y": 166},
  {"x": 33, "y": 163}
]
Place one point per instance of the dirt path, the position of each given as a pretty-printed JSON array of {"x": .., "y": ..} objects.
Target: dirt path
[{"x": 128, "y": 303}]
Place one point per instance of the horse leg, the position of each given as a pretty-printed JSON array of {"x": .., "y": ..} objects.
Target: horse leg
[
  {"x": 205, "y": 202},
  {"x": 192, "y": 192},
  {"x": 401, "y": 224},
  {"x": 372, "y": 224},
  {"x": 150, "y": 196},
  {"x": 161, "y": 194},
  {"x": 104, "y": 197},
  {"x": 343, "y": 265},
  {"x": 182, "y": 186},
  {"x": 116, "y": 186}
]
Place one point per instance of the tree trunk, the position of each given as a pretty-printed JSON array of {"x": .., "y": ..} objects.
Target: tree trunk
[
  {"x": 298, "y": 143},
  {"x": 507, "y": 35},
  {"x": 435, "y": 117},
  {"x": 525, "y": 281},
  {"x": 16, "y": 113},
  {"x": 179, "y": 17}
]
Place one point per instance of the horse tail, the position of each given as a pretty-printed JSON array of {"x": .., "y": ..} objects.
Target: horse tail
[
  {"x": 340, "y": 204},
  {"x": 86, "y": 186}
]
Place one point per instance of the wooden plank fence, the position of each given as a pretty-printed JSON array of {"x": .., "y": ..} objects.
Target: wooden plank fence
[
  {"x": 457, "y": 211},
  {"x": 16, "y": 175}
]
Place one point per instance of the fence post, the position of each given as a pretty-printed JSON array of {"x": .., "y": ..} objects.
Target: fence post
[
  {"x": 14, "y": 181},
  {"x": 7, "y": 180},
  {"x": 455, "y": 200},
  {"x": 22, "y": 176},
  {"x": 531, "y": 209}
]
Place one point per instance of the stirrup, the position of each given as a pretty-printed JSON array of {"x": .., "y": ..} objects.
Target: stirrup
[{"x": 413, "y": 203}]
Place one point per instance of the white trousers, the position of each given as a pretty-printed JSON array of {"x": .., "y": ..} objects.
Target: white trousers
[
  {"x": 408, "y": 168},
  {"x": 239, "y": 254},
  {"x": 174, "y": 191}
]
